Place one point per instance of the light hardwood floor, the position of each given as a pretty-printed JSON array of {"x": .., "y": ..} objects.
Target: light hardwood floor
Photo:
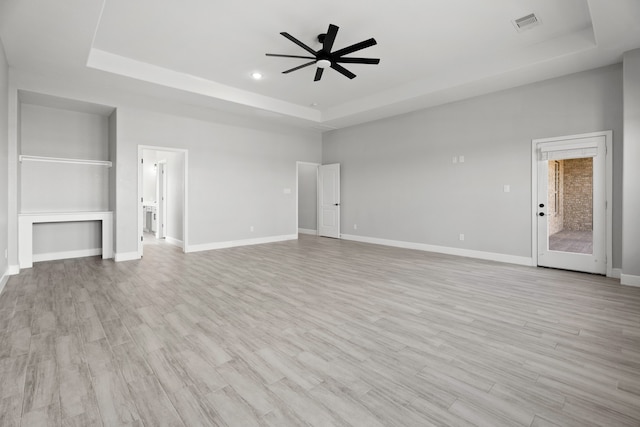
[{"x": 316, "y": 332}]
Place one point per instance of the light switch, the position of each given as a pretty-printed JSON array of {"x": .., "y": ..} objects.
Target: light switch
[
  {"x": 506, "y": 188},
  {"x": 455, "y": 160},
  {"x": 461, "y": 159}
]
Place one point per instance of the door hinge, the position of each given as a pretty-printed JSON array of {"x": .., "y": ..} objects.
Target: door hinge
[
  {"x": 141, "y": 238},
  {"x": 141, "y": 200},
  {"x": 141, "y": 160}
]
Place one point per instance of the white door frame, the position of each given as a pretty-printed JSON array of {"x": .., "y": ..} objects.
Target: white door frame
[
  {"x": 608, "y": 136},
  {"x": 185, "y": 196},
  {"x": 298, "y": 163}
]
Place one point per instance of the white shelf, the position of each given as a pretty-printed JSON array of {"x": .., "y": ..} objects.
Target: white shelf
[
  {"x": 25, "y": 231},
  {"x": 24, "y": 157}
]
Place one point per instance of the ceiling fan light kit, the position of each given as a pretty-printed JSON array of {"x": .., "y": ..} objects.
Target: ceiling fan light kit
[{"x": 324, "y": 58}]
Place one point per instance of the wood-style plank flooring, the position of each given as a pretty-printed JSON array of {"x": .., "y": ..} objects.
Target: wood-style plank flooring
[{"x": 316, "y": 332}]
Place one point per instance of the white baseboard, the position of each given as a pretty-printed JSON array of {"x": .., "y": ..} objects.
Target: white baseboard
[
  {"x": 307, "y": 231},
  {"x": 4, "y": 279},
  {"x": 126, "y": 256},
  {"x": 615, "y": 273},
  {"x": 12, "y": 270},
  {"x": 174, "y": 242},
  {"x": 235, "y": 243},
  {"x": 490, "y": 256},
  {"x": 52, "y": 256},
  {"x": 629, "y": 280}
]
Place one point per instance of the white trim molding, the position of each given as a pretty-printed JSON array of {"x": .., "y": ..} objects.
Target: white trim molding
[
  {"x": 25, "y": 231},
  {"x": 308, "y": 231},
  {"x": 126, "y": 256},
  {"x": 24, "y": 157},
  {"x": 489, "y": 256},
  {"x": 244, "y": 242},
  {"x": 185, "y": 198},
  {"x": 615, "y": 273},
  {"x": 12, "y": 270},
  {"x": 629, "y": 280},
  {"x": 51, "y": 256},
  {"x": 3, "y": 280}
]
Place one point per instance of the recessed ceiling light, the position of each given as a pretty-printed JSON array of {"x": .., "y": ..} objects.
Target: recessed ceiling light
[{"x": 256, "y": 75}]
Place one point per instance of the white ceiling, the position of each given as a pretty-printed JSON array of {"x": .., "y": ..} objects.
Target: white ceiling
[{"x": 431, "y": 51}]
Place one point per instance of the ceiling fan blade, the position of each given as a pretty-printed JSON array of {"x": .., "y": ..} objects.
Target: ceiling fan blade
[
  {"x": 298, "y": 67},
  {"x": 358, "y": 60},
  {"x": 299, "y": 43},
  {"x": 339, "y": 68},
  {"x": 354, "y": 47},
  {"x": 330, "y": 38},
  {"x": 290, "y": 56},
  {"x": 318, "y": 74}
]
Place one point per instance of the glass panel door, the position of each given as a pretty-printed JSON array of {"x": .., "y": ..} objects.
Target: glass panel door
[{"x": 570, "y": 205}]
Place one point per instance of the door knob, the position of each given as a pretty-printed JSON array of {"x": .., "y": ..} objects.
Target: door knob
[
  {"x": 541, "y": 214},
  {"x": 541, "y": 205},
  {"x": 336, "y": 204}
]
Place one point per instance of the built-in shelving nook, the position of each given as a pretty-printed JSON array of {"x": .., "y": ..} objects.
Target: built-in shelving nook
[{"x": 66, "y": 178}]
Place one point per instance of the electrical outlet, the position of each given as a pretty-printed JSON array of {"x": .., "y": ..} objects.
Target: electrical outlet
[
  {"x": 506, "y": 188},
  {"x": 251, "y": 229},
  {"x": 355, "y": 226},
  {"x": 461, "y": 237}
]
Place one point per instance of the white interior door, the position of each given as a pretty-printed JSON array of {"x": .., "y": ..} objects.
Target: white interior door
[
  {"x": 571, "y": 207},
  {"x": 161, "y": 231},
  {"x": 329, "y": 200}
]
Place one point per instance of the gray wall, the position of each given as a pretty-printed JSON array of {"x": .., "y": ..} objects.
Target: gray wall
[
  {"x": 238, "y": 167},
  {"x": 399, "y": 182},
  {"x": 149, "y": 176},
  {"x": 4, "y": 144},
  {"x": 175, "y": 193},
  {"x": 237, "y": 175},
  {"x": 307, "y": 196},
  {"x": 52, "y": 238},
  {"x": 631, "y": 206},
  {"x": 59, "y": 187}
]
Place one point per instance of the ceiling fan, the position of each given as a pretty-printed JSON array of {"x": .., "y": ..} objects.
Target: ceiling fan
[{"x": 324, "y": 58}]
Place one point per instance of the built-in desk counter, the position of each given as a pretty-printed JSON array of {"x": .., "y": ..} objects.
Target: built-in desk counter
[{"x": 25, "y": 231}]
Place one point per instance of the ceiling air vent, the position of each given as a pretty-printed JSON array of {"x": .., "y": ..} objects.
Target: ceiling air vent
[{"x": 526, "y": 22}]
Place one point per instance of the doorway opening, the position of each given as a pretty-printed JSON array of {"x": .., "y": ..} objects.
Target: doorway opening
[
  {"x": 571, "y": 190},
  {"x": 307, "y": 193},
  {"x": 318, "y": 204},
  {"x": 162, "y": 197}
]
